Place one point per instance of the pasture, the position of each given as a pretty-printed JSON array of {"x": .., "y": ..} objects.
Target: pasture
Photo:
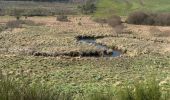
[{"x": 42, "y": 51}]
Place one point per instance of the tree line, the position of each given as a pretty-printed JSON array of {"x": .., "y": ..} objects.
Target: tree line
[{"x": 41, "y": 0}]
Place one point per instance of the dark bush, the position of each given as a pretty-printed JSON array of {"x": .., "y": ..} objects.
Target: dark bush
[
  {"x": 62, "y": 18},
  {"x": 144, "y": 18},
  {"x": 137, "y": 18},
  {"x": 163, "y": 19},
  {"x": 114, "y": 21}
]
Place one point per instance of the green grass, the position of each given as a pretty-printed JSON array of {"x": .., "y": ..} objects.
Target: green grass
[
  {"x": 108, "y": 7},
  {"x": 79, "y": 75},
  {"x": 12, "y": 90},
  {"x": 96, "y": 78}
]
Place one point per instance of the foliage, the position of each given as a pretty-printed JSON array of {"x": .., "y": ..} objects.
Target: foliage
[
  {"x": 87, "y": 8},
  {"x": 144, "y": 18},
  {"x": 114, "y": 20},
  {"x": 27, "y": 8}
]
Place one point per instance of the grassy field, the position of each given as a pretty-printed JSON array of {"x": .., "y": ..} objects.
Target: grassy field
[
  {"x": 39, "y": 53},
  {"x": 147, "y": 55},
  {"x": 124, "y": 7}
]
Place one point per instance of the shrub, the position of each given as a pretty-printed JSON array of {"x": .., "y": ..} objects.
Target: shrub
[
  {"x": 137, "y": 18},
  {"x": 144, "y": 18},
  {"x": 163, "y": 19},
  {"x": 62, "y": 17},
  {"x": 115, "y": 22}
]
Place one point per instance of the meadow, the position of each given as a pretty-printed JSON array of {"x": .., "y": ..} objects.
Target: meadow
[
  {"x": 41, "y": 58},
  {"x": 124, "y": 7}
]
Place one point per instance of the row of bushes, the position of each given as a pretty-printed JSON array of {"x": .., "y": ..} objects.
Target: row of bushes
[
  {"x": 88, "y": 53},
  {"x": 12, "y": 90},
  {"x": 36, "y": 12},
  {"x": 146, "y": 18}
]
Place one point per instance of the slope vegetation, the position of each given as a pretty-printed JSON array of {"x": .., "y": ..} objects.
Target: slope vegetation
[{"x": 124, "y": 7}]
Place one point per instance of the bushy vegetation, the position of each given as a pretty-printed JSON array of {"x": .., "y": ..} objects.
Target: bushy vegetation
[
  {"x": 62, "y": 18},
  {"x": 115, "y": 22},
  {"x": 36, "y": 12},
  {"x": 18, "y": 23},
  {"x": 144, "y": 18},
  {"x": 88, "y": 8},
  {"x": 27, "y": 8},
  {"x": 12, "y": 90}
]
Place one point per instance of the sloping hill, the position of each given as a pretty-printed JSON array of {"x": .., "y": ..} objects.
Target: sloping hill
[{"x": 124, "y": 7}]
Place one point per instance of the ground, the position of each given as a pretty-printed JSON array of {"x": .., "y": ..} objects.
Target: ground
[{"x": 145, "y": 53}]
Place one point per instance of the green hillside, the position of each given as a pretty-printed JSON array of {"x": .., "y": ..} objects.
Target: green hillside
[{"x": 124, "y": 7}]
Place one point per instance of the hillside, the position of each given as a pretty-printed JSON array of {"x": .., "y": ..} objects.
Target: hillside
[{"x": 124, "y": 7}]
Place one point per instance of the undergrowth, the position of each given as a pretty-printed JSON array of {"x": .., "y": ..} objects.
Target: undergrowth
[{"x": 10, "y": 89}]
